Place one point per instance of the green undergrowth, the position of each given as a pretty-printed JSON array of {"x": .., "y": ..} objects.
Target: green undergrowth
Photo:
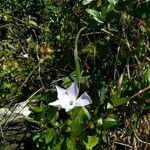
[{"x": 103, "y": 45}]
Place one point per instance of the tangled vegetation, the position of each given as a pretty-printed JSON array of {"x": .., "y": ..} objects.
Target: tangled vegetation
[{"x": 103, "y": 45}]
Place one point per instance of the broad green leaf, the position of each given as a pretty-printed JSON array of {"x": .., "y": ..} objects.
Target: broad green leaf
[
  {"x": 50, "y": 133},
  {"x": 110, "y": 121},
  {"x": 91, "y": 142}
]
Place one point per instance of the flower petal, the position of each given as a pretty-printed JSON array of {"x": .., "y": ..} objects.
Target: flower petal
[
  {"x": 55, "y": 104},
  {"x": 83, "y": 100},
  {"x": 60, "y": 92},
  {"x": 73, "y": 91},
  {"x": 67, "y": 109},
  {"x": 62, "y": 104}
]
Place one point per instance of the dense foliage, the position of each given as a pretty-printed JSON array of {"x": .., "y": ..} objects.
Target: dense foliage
[{"x": 103, "y": 45}]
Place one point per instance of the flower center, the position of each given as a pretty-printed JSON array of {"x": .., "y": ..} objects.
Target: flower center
[{"x": 71, "y": 103}]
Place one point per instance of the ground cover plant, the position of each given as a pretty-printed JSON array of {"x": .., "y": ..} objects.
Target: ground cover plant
[{"x": 101, "y": 46}]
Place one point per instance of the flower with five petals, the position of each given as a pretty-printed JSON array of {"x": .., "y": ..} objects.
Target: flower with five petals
[{"x": 68, "y": 98}]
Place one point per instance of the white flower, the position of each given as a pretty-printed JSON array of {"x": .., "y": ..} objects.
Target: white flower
[{"x": 68, "y": 98}]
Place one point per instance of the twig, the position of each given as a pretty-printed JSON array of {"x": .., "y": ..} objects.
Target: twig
[
  {"x": 141, "y": 91},
  {"x": 120, "y": 143},
  {"x": 144, "y": 142},
  {"x": 28, "y": 77}
]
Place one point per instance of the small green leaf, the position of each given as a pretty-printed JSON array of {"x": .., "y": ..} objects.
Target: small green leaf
[
  {"x": 105, "y": 136},
  {"x": 120, "y": 101},
  {"x": 147, "y": 108},
  {"x": 85, "y": 111},
  {"x": 31, "y": 22},
  {"x": 148, "y": 74},
  {"x": 73, "y": 77},
  {"x": 109, "y": 106},
  {"x": 91, "y": 142},
  {"x": 116, "y": 100},
  {"x": 71, "y": 145},
  {"x": 114, "y": 2},
  {"x": 50, "y": 133},
  {"x": 58, "y": 146},
  {"x": 37, "y": 109},
  {"x": 99, "y": 122},
  {"x": 32, "y": 120},
  {"x": 35, "y": 137},
  {"x": 85, "y": 2},
  {"x": 7, "y": 85},
  {"x": 110, "y": 121},
  {"x": 95, "y": 14}
]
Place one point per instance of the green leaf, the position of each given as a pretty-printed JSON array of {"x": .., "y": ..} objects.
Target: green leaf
[
  {"x": 117, "y": 101},
  {"x": 73, "y": 77},
  {"x": 99, "y": 122},
  {"x": 71, "y": 145},
  {"x": 105, "y": 136},
  {"x": 148, "y": 74},
  {"x": 37, "y": 109},
  {"x": 114, "y": 2},
  {"x": 85, "y": 112},
  {"x": 147, "y": 108},
  {"x": 85, "y": 2},
  {"x": 95, "y": 14},
  {"x": 109, "y": 106},
  {"x": 31, "y": 22},
  {"x": 50, "y": 133},
  {"x": 110, "y": 121},
  {"x": 35, "y": 137},
  {"x": 120, "y": 101},
  {"x": 32, "y": 120},
  {"x": 58, "y": 146},
  {"x": 91, "y": 142},
  {"x": 76, "y": 57},
  {"x": 78, "y": 121}
]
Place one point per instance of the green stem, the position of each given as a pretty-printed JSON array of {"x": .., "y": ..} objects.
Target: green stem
[{"x": 76, "y": 57}]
